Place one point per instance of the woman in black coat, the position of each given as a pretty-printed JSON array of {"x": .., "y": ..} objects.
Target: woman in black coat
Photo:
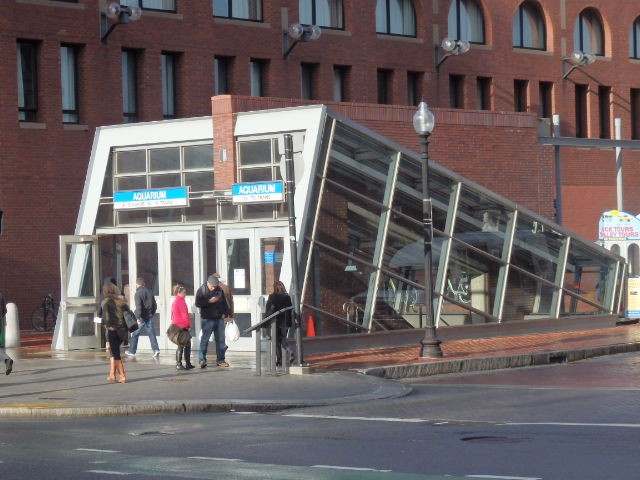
[{"x": 278, "y": 300}]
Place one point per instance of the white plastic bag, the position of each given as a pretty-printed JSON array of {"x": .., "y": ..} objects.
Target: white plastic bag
[{"x": 231, "y": 332}]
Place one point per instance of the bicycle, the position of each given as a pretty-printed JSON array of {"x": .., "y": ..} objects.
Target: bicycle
[
  {"x": 459, "y": 289},
  {"x": 43, "y": 317}
]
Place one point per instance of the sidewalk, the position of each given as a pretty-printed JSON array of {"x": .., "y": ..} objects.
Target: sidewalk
[{"x": 46, "y": 383}]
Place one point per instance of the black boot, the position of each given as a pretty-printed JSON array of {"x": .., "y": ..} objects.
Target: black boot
[
  {"x": 187, "y": 357},
  {"x": 179, "y": 365}
]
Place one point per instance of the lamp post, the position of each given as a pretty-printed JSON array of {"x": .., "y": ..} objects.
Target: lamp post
[{"x": 423, "y": 123}]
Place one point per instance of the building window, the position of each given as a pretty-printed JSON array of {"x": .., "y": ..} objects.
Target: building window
[
  {"x": 323, "y": 13},
  {"x": 588, "y": 34},
  {"x": 414, "y": 88},
  {"x": 546, "y": 99},
  {"x": 520, "y": 95},
  {"x": 340, "y": 78},
  {"x": 604, "y": 108},
  {"x": 130, "y": 86},
  {"x": 528, "y": 27},
  {"x": 258, "y": 71},
  {"x": 384, "y": 86},
  {"x": 634, "y": 39},
  {"x": 162, "y": 5},
  {"x": 635, "y": 113},
  {"x": 483, "y": 92},
  {"x": 308, "y": 74},
  {"x": 169, "y": 61},
  {"x": 456, "y": 91},
  {"x": 27, "y": 81},
  {"x": 396, "y": 17},
  {"x": 69, "y": 83},
  {"x": 466, "y": 21},
  {"x": 222, "y": 74},
  {"x": 581, "y": 110},
  {"x": 240, "y": 9}
]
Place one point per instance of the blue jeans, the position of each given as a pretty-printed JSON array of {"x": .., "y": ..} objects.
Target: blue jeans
[
  {"x": 215, "y": 325},
  {"x": 148, "y": 327}
]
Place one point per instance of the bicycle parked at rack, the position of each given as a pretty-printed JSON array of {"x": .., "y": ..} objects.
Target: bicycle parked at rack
[{"x": 43, "y": 317}]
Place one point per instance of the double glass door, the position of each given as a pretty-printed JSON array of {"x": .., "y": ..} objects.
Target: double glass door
[
  {"x": 164, "y": 259},
  {"x": 252, "y": 260}
]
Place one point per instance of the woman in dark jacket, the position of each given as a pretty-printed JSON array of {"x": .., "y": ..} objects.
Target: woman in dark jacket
[
  {"x": 278, "y": 300},
  {"x": 113, "y": 307}
]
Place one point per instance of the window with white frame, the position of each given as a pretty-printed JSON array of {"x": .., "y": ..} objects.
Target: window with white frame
[
  {"x": 240, "y": 9},
  {"x": 169, "y": 85},
  {"x": 528, "y": 27},
  {"x": 69, "y": 83},
  {"x": 324, "y": 13},
  {"x": 466, "y": 21},
  {"x": 396, "y": 17},
  {"x": 588, "y": 34}
]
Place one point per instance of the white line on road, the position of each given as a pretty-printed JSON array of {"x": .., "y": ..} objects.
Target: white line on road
[
  {"x": 95, "y": 450},
  {"x": 570, "y": 424},
  {"x": 368, "y": 419},
  {"x": 217, "y": 459},
  {"x": 108, "y": 472},
  {"x": 335, "y": 467},
  {"x": 502, "y": 477}
]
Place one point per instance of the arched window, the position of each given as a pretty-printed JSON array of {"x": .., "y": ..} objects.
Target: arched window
[
  {"x": 324, "y": 13},
  {"x": 466, "y": 21},
  {"x": 241, "y": 9},
  {"x": 588, "y": 34},
  {"x": 396, "y": 17},
  {"x": 528, "y": 27},
  {"x": 634, "y": 39}
]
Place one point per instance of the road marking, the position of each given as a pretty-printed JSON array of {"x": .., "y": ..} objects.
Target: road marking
[
  {"x": 95, "y": 450},
  {"x": 368, "y": 419},
  {"x": 218, "y": 459},
  {"x": 503, "y": 478},
  {"x": 576, "y": 424},
  {"x": 108, "y": 472},
  {"x": 335, "y": 467}
]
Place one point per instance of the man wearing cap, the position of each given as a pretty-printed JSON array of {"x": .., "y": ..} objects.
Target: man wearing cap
[{"x": 213, "y": 308}]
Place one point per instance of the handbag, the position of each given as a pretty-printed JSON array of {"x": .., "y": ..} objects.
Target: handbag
[
  {"x": 178, "y": 336},
  {"x": 231, "y": 332},
  {"x": 130, "y": 320}
]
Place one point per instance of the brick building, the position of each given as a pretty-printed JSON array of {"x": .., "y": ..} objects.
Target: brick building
[{"x": 63, "y": 80}]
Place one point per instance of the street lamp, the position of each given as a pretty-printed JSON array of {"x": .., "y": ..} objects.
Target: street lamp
[{"x": 423, "y": 123}]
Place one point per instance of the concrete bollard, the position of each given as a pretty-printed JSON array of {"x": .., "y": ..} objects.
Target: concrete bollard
[{"x": 12, "y": 329}]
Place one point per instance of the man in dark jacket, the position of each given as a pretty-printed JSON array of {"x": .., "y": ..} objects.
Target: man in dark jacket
[
  {"x": 213, "y": 307},
  {"x": 146, "y": 307}
]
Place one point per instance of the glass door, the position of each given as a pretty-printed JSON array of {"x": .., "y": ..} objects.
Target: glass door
[
  {"x": 252, "y": 260},
  {"x": 164, "y": 259}
]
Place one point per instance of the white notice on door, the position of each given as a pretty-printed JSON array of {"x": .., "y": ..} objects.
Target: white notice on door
[{"x": 238, "y": 278}]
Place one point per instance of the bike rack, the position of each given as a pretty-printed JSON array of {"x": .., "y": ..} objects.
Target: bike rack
[{"x": 271, "y": 351}]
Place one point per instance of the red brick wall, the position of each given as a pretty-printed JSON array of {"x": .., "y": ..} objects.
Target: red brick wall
[{"x": 42, "y": 169}]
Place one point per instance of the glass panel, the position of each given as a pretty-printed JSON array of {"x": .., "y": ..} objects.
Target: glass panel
[
  {"x": 105, "y": 215},
  {"x": 147, "y": 265},
  {"x": 397, "y": 305},
  {"x": 165, "y": 215},
  {"x": 81, "y": 324},
  {"x": 536, "y": 249},
  {"x": 572, "y": 305},
  {"x": 259, "y": 210},
  {"x": 239, "y": 266},
  {"x": 130, "y": 217},
  {"x": 201, "y": 211},
  {"x": 481, "y": 222},
  {"x": 272, "y": 253},
  {"x": 471, "y": 280},
  {"x": 257, "y": 152},
  {"x": 526, "y": 297},
  {"x": 255, "y": 175},
  {"x": 134, "y": 161},
  {"x": 198, "y": 156},
  {"x": 80, "y": 259},
  {"x": 131, "y": 183},
  {"x": 351, "y": 222},
  {"x": 165, "y": 181},
  {"x": 107, "y": 183},
  {"x": 199, "y": 181},
  {"x": 182, "y": 264},
  {"x": 163, "y": 159}
]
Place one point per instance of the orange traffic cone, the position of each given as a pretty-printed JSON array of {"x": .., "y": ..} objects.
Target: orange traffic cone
[{"x": 311, "y": 328}]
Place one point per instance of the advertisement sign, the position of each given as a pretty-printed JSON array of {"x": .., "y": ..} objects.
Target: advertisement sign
[
  {"x": 633, "y": 298},
  {"x": 154, "y": 198},
  {"x": 615, "y": 225}
]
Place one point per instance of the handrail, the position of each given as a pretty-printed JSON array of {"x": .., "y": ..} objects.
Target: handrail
[{"x": 266, "y": 319}]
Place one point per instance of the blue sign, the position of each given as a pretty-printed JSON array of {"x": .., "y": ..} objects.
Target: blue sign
[
  {"x": 158, "y": 197},
  {"x": 269, "y": 257},
  {"x": 258, "y": 192}
]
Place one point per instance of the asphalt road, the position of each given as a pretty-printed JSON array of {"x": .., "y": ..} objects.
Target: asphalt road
[{"x": 569, "y": 421}]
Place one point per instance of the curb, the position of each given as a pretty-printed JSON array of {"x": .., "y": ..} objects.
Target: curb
[{"x": 465, "y": 365}]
